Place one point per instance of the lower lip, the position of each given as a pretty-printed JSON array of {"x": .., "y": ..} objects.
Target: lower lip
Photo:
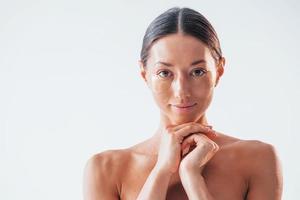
[{"x": 183, "y": 109}]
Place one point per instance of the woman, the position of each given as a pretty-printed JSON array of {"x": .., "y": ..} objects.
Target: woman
[{"x": 182, "y": 63}]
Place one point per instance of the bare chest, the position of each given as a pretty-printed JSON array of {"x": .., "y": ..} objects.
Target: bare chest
[{"x": 224, "y": 180}]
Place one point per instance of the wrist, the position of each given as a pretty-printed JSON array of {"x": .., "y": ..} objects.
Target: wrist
[
  {"x": 156, "y": 185},
  {"x": 187, "y": 170},
  {"x": 191, "y": 176},
  {"x": 195, "y": 187},
  {"x": 187, "y": 175},
  {"x": 161, "y": 171}
]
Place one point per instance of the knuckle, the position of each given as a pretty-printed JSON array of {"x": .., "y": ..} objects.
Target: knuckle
[
  {"x": 179, "y": 137},
  {"x": 189, "y": 126},
  {"x": 206, "y": 129},
  {"x": 191, "y": 123},
  {"x": 217, "y": 147},
  {"x": 209, "y": 145},
  {"x": 168, "y": 129}
]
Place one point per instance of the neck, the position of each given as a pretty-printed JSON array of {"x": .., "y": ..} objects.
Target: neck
[{"x": 165, "y": 121}]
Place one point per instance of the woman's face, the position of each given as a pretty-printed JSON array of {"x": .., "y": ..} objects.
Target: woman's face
[{"x": 181, "y": 74}]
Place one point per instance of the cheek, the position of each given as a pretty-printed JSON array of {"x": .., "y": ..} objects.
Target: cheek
[
  {"x": 203, "y": 87},
  {"x": 161, "y": 90},
  {"x": 204, "y": 92},
  {"x": 159, "y": 86}
]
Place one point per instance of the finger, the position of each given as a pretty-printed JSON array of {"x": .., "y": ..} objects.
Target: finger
[
  {"x": 178, "y": 127},
  {"x": 197, "y": 139},
  {"x": 194, "y": 128},
  {"x": 192, "y": 139}
]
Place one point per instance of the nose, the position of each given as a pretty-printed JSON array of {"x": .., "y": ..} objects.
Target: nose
[{"x": 181, "y": 89}]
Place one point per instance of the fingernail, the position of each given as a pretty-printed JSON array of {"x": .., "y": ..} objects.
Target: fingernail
[
  {"x": 214, "y": 133},
  {"x": 210, "y": 130},
  {"x": 209, "y": 126}
]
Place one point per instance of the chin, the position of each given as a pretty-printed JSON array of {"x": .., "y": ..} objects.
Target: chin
[{"x": 177, "y": 120}]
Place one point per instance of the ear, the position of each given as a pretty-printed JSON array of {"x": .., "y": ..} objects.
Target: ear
[
  {"x": 220, "y": 70},
  {"x": 143, "y": 71}
]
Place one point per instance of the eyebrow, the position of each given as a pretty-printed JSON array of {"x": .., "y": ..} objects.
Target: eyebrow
[{"x": 170, "y": 65}]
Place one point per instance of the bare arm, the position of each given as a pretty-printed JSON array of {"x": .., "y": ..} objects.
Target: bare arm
[
  {"x": 169, "y": 156},
  {"x": 192, "y": 165},
  {"x": 194, "y": 185},
  {"x": 265, "y": 182},
  {"x": 99, "y": 182},
  {"x": 156, "y": 185}
]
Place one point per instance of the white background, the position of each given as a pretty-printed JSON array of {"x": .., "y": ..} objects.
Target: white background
[{"x": 70, "y": 85}]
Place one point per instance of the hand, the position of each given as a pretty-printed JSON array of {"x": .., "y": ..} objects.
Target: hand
[
  {"x": 195, "y": 160},
  {"x": 170, "y": 150}
]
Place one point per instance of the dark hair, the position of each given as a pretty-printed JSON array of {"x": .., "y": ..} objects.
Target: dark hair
[{"x": 181, "y": 20}]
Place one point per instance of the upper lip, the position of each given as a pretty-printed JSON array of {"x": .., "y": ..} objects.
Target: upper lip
[{"x": 184, "y": 105}]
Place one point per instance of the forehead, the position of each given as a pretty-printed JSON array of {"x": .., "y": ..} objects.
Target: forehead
[{"x": 179, "y": 48}]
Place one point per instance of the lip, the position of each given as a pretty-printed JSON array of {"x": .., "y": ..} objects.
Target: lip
[
  {"x": 184, "y": 105},
  {"x": 182, "y": 108}
]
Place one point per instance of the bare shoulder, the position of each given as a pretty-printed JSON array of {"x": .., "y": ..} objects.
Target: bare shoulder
[
  {"x": 253, "y": 156},
  {"x": 255, "y": 153},
  {"x": 109, "y": 162},
  {"x": 255, "y": 147},
  {"x": 102, "y": 174},
  {"x": 111, "y": 158},
  {"x": 261, "y": 156},
  {"x": 262, "y": 167}
]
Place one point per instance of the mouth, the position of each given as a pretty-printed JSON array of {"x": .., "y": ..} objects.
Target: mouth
[
  {"x": 187, "y": 105},
  {"x": 182, "y": 108}
]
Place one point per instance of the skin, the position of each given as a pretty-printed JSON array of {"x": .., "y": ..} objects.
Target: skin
[{"x": 184, "y": 159}]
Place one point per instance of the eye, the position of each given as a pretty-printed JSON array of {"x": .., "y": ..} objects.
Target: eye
[
  {"x": 164, "y": 74},
  {"x": 198, "y": 72}
]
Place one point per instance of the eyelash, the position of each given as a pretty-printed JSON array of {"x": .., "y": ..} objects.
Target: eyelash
[
  {"x": 161, "y": 72},
  {"x": 202, "y": 70}
]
